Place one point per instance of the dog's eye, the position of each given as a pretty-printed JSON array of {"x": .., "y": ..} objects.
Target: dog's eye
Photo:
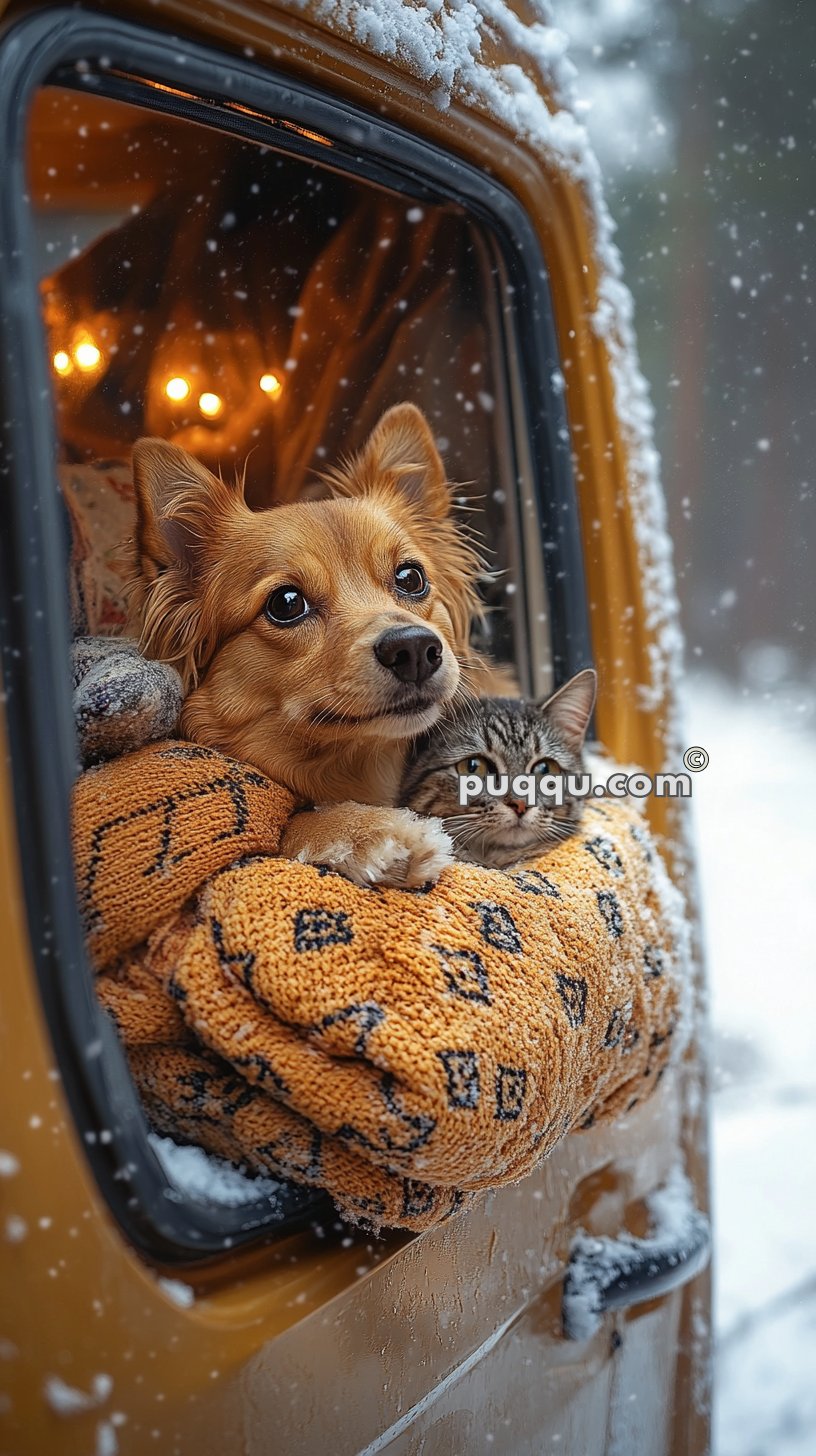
[
  {"x": 411, "y": 579},
  {"x": 285, "y": 606},
  {"x": 475, "y": 764}
]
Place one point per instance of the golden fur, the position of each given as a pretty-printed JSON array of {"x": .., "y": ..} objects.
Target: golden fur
[{"x": 309, "y": 703}]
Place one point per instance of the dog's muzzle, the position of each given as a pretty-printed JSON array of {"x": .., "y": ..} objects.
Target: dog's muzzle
[{"x": 413, "y": 654}]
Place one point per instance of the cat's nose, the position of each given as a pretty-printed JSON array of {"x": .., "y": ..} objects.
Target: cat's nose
[
  {"x": 520, "y": 805},
  {"x": 413, "y": 654}
]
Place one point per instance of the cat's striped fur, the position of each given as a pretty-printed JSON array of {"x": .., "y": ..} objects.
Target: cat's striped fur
[{"x": 512, "y": 736}]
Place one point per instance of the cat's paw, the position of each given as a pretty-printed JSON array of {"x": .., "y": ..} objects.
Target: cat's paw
[{"x": 394, "y": 848}]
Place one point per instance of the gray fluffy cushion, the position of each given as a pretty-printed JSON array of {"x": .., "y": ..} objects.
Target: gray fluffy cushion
[{"x": 121, "y": 700}]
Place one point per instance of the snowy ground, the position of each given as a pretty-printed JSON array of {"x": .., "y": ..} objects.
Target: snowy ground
[{"x": 755, "y": 811}]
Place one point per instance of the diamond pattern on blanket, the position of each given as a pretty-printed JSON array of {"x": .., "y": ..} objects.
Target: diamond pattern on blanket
[{"x": 401, "y": 1051}]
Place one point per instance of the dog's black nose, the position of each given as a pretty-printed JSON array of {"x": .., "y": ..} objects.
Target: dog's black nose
[{"x": 412, "y": 653}]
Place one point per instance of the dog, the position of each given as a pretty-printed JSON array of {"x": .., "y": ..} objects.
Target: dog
[{"x": 317, "y": 639}]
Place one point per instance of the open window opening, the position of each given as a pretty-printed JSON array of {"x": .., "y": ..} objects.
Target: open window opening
[
  {"x": 258, "y": 293},
  {"x": 262, "y": 311}
]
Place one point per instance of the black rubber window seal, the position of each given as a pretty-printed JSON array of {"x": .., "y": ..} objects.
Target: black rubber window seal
[{"x": 60, "y": 46}]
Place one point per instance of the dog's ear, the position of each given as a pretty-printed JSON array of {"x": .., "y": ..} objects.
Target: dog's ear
[
  {"x": 178, "y": 506},
  {"x": 181, "y": 508},
  {"x": 570, "y": 709},
  {"x": 402, "y": 447}
]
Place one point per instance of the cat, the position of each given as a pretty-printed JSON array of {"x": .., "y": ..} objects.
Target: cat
[{"x": 497, "y": 736}]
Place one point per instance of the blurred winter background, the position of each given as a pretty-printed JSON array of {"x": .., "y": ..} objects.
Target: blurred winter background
[{"x": 703, "y": 113}]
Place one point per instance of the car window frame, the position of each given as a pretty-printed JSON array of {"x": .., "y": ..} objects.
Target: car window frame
[{"x": 122, "y": 59}]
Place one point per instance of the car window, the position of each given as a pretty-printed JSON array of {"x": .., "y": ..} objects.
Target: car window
[
  {"x": 258, "y": 291},
  {"x": 261, "y": 311}
]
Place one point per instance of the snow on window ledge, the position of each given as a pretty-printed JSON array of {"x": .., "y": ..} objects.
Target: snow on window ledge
[{"x": 200, "y": 1175}]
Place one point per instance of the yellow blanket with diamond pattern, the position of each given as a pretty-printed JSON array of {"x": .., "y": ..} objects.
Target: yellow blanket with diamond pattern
[{"x": 399, "y": 1049}]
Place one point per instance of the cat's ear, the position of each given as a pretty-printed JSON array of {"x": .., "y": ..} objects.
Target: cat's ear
[{"x": 570, "y": 709}]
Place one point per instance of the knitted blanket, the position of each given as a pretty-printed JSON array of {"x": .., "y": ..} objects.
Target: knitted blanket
[{"x": 398, "y": 1049}]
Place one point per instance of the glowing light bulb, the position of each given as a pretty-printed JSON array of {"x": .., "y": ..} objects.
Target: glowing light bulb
[
  {"x": 271, "y": 385},
  {"x": 210, "y": 404},
  {"x": 62, "y": 362},
  {"x": 178, "y": 389},
  {"x": 86, "y": 355}
]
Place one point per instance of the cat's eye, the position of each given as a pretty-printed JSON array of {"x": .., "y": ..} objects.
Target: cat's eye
[
  {"x": 475, "y": 764},
  {"x": 410, "y": 579},
  {"x": 544, "y": 767},
  {"x": 285, "y": 606}
]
